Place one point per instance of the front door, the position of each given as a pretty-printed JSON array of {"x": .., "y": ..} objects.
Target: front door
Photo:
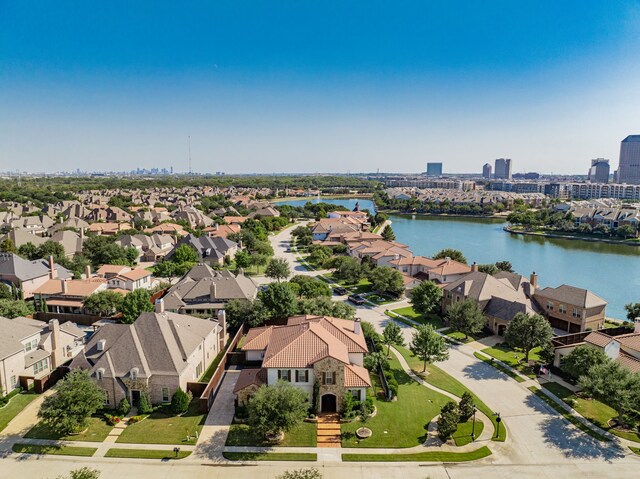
[
  {"x": 135, "y": 398},
  {"x": 328, "y": 403}
]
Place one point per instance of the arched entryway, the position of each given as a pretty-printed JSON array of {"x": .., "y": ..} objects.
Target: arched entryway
[
  {"x": 501, "y": 329},
  {"x": 328, "y": 403}
]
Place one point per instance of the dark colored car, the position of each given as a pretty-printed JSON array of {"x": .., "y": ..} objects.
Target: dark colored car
[
  {"x": 356, "y": 299},
  {"x": 340, "y": 291}
]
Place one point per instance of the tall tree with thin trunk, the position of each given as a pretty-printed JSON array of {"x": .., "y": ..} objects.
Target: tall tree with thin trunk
[
  {"x": 528, "y": 331},
  {"x": 428, "y": 345},
  {"x": 392, "y": 336},
  {"x": 466, "y": 317}
]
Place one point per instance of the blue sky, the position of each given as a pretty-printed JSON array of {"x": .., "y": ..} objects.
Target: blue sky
[{"x": 289, "y": 86}]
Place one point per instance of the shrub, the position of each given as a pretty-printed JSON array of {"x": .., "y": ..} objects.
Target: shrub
[
  {"x": 124, "y": 407},
  {"x": 393, "y": 385},
  {"x": 180, "y": 401},
  {"x": 448, "y": 420},
  {"x": 111, "y": 419},
  {"x": 466, "y": 406},
  {"x": 144, "y": 405},
  {"x": 135, "y": 419},
  {"x": 350, "y": 406}
]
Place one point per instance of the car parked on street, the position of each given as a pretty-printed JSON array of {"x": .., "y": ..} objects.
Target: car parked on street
[
  {"x": 356, "y": 299},
  {"x": 340, "y": 291}
]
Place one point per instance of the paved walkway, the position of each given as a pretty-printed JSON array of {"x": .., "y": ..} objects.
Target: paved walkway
[
  {"x": 27, "y": 418},
  {"x": 329, "y": 430}
]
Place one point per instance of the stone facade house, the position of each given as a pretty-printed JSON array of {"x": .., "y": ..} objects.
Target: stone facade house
[{"x": 308, "y": 349}]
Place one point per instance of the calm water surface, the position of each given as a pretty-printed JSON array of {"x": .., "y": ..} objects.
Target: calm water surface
[{"x": 346, "y": 202}]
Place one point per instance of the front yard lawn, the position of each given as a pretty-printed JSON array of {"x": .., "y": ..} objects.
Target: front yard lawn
[
  {"x": 146, "y": 453},
  {"x": 362, "y": 286},
  {"x": 399, "y": 423},
  {"x": 303, "y": 435},
  {"x": 462, "y": 436},
  {"x": 457, "y": 335},
  {"x": 505, "y": 353},
  {"x": 162, "y": 428},
  {"x": 270, "y": 456},
  {"x": 381, "y": 299},
  {"x": 431, "y": 456},
  {"x": 97, "y": 431},
  {"x": 56, "y": 450},
  {"x": 15, "y": 405},
  {"x": 432, "y": 319}
]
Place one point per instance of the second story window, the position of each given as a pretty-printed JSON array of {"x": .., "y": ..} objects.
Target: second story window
[
  {"x": 284, "y": 375},
  {"x": 302, "y": 376},
  {"x": 562, "y": 308},
  {"x": 328, "y": 378},
  {"x": 576, "y": 313},
  {"x": 549, "y": 305}
]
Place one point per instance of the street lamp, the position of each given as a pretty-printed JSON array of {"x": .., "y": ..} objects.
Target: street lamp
[
  {"x": 473, "y": 425},
  {"x": 498, "y": 421}
]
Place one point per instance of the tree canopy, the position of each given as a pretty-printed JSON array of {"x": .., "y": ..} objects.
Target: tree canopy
[
  {"x": 280, "y": 300},
  {"x": 454, "y": 254},
  {"x": 528, "y": 331},
  {"x": 425, "y": 298},
  {"x": 386, "y": 280},
  {"x": 278, "y": 269},
  {"x": 277, "y": 408},
  {"x": 104, "y": 303},
  {"x": 466, "y": 317},
  {"x": 582, "y": 359},
  {"x": 428, "y": 345},
  {"x": 134, "y": 304},
  {"x": 10, "y": 308}
]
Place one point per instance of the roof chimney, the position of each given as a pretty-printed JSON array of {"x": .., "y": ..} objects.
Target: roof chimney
[
  {"x": 87, "y": 271},
  {"x": 81, "y": 233},
  {"x": 222, "y": 321},
  {"x": 54, "y": 328},
  {"x": 357, "y": 327},
  {"x": 52, "y": 269},
  {"x": 636, "y": 328},
  {"x": 212, "y": 291},
  {"x": 474, "y": 267},
  {"x": 64, "y": 285},
  {"x": 160, "y": 305},
  {"x": 533, "y": 281},
  {"x": 101, "y": 344}
]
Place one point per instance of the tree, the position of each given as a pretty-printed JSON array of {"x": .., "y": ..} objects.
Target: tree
[
  {"x": 504, "y": 266},
  {"x": 51, "y": 248},
  {"x": 392, "y": 335},
  {"x": 8, "y": 246},
  {"x": 308, "y": 473},
  {"x": 77, "y": 397},
  {"x": 488, "y": 268},
  {"x": 10, "y": 308},
  {"x": 374, "y": 361},
  {"x": 278, "y": 269},
  {"x": 103, "y": 303},
  {"x": 144, "y": 404},
  {"x": 253, "y": 312},
  {"x": 134, "y": 304},
  {"x": 582, "y": 359},
  {"x": 633, "y": 311},
  {"x": 448, "y": 420},
  {"x": 466, "y": 317},
  {"x": 453, "y": 254},
  {"x": 280, "y": 300},
  {"x": 83, "y": 473},
  {"x": 346, "y": 268},
  {"x": 585, "y": 228},
  {"x": 311, "y": 287},
  {"x": 323, "y": 306},
  {"x": 243, "y": 259},
  {"x": 387, "y": 280},
  {"x": 184, "y": 254},
  {"x": 614, "y": 385},
  {"x": 425, "y": 298},
  {"x": 124, "y": 407},
  {"x": 625, "y": 231},
  {"x": 528, "y": 331},
  {"x": 180, "y": 401},
  {"x": 388, "y": 234},
  {"x": 428, "y": 345},
  {"x": 28, "y": 251},
  {"x": 466, "y": 406},
  {"x": 277, "y": 408},
  {"x": 5, "y": 292}
]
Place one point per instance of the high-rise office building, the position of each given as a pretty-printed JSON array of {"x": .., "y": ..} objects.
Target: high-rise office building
[
  {"x": 599, "y": 171},
  {"x": 502, "y": 168},
  {"x": 629, "y": 166},
  {"x": 434, "y": 169},
  {"x": 486, "y": 170}
]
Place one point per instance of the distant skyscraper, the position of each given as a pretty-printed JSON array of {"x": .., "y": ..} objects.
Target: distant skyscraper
[
  {"x": 486, "y": 170},
  {"x": 502, "y": 168},
  {"x": 599, "y": 171},
  {"x": 434, "y": 169},
  {"x": 629, "y": 166}
]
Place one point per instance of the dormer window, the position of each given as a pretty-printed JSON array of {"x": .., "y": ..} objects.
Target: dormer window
[
  {"x": 134, "y": 373},
  {"x": 100, "y": 374}
]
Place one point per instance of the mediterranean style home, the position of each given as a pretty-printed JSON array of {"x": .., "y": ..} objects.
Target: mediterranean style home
[
  {"x": 308, "y": 349},
  {"x": 157, "y": 354},
  {"x": 30, "y": 350}
]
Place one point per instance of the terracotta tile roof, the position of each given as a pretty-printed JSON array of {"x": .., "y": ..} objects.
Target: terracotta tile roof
[
  {"x": 628, "y": 362},
  {"x": 136, "y": 274},
  {"x": 598, "y": 339},
  {"x": 249, "y": 377},
  {"x": 343, "y": 329},
  {"x": 631, "y": 341},
  {"x": 75, "y": 287},
  {"x": 257, "y": 338},
  {"x": 356, "y": 377},
  {"x": 112, "y": 269}
]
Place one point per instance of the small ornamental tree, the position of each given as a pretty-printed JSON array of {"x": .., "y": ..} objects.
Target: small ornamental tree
[
  {"x": 527, "y": 331},
  {"x": 134, "y": 304},
  {"x": 124, "y": 407},
  {"x": 466, "y": 406},
  {"x": 77, "y": 397},
  {"x": 278, "y": 408},
  {"x": 388, "y": 234},
  {"x": 278, "y": 269},
  {"x": 180, "y": 401},
  {"x": 448, "y": 420},
  {"x": 582, "y": 359},
  {"x": 425, "y": 298},
  {"x": 144, "y": 404},
  {"x": 392, "y": 335},
  {"x": 103, "y": 303},
  {"x": 466, "y": 317},
  {"x": 428, "y": 345},
  {"x": 453, "y": 254}
]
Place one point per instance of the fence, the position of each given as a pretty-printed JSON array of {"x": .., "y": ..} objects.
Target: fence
[
  {"x": 209, "y": 393},
  {"x": 83, "y": 319},
  {"x": 381, "y": 374}
]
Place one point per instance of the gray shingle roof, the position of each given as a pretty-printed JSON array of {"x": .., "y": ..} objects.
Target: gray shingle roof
[
  {"x": 13, "y": 265},
  {"x": 573, "y": 296}
]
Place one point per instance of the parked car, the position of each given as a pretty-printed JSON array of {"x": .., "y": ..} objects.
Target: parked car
[
  {"x": 340, "y": 291},
  {"x": 356, "y": 299}
]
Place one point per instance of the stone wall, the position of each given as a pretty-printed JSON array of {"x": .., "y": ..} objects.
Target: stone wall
[{"x": 329, "y": 365}]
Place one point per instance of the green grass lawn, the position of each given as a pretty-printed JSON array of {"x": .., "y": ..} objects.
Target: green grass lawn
[
  {"x": 161, "y": 428},
  {"x": 56, "y": 450},
  {"x": 270, "y": 456},
  {"x": 97, "y": 431},
  {"x": 566, "y": 414},
  {"x": 15, "y": 405},
  {"x": 362, "y": 286},
  {"x": 514, "y": 358},
  {"x": 145, "y": 453},
  {"x": 593, "y": 410},
  {"x": 303, "y": 435},
  {"x": 441, "y": 379},
  {"x": 432, "y": 456},
  {"x": 378, "y": 299},
  {"x": 635, "y": 450},
  {"x": 208, "y": 374},
  {"x": 500, "y": 367},
  {"x": 463, "y": 435},
  {"x": 432, "y": 319},
  {"x": 398, "y": 423},
  {"x": 450, "y": 333}
]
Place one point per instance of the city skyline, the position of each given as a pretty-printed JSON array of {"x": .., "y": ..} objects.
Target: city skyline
[{"x": 335, "y": 89}]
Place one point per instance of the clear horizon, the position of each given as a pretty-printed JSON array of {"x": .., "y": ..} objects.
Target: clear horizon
[{"x": 287, "y": 87}]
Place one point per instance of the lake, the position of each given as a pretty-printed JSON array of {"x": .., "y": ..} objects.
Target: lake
[{"x": 349, "y": 203}]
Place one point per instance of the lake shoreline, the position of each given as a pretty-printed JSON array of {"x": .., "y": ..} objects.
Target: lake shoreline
[
  {"x": 444, "y": 215},
  {"x": 569, "y": 237}
]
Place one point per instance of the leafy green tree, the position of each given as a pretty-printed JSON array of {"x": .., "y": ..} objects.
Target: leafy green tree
[
  {"x": 488, "y": 268},
  {"x": 5, "y": 292},
  {"x": 386, "y": 280},
  {"x": 454, "y": 254},
  {"x": 633, "y": 311},
  {"x": 184, "y": 254},
  {"x": 625, "y": 231},
  {"x": 165, "y": 269},
  {"x": 388, "y": 234},
  {"x": 425, "y": 298},
  {"x": 253, "y": 312},
  {"x": 103, "y": 303},
  {"x": 277, "y": 408},
  {"x": 10, "y": 308},
  {"x": 243, "y": 259},
  {"x": 77, "y": 397},
  {"x": 29, "y": 251},
  {"x": 505, "y": 266},
  {"x": 124, "y": 407},
  {"x": 582, "y": 359},
  {"x": 428, "y": 345},
  {"x": 144, "y": 404},
  {"x": 180, "y": 401},
  {"x": 392, "y": 336},
  {"x": 280, "y": 300},
  {"x": 466, "y": 317},
  {"x": 134, "y": 304},
  {"x": 466, "y": 406},
  {"x": 311, "y": 287},
  {"x": 614, "y": 385},
  {"x": 8, "y": 246},
  {"x": 375, "y": 360},
  {"x": 102, "y": 250},
  {"x": 323, "y": 306},
  {"x": 448, "y": 421},
  {"x": 258, "y": 260},
  {"x": 51, "y": 248},
  {"x": 528, "y": 331},
  {"x": 278, "y": 269}
]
